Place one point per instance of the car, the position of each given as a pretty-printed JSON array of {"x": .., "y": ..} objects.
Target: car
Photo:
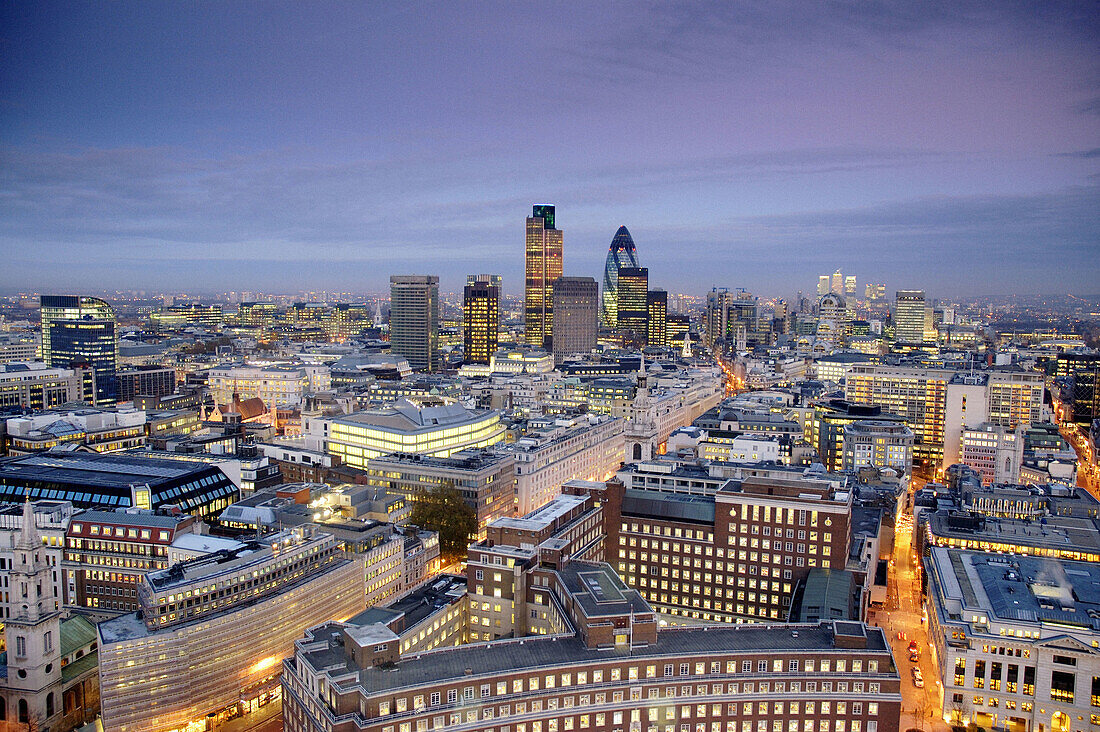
[
  {"x": 914, "y": 657},
  {"x": 913, "y": 646},
  {"x": 918, "y": 678}
]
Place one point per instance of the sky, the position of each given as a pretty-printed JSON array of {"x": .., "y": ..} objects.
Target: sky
[{"x": 286, "y": 146}]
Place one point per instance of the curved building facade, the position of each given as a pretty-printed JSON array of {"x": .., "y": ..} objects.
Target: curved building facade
[{"x": 621, "y": 254}]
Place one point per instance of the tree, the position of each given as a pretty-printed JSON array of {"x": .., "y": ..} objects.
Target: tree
[{"x": 446, "y": 511}]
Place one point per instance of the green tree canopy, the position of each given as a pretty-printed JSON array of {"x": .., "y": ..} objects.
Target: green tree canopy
[{"x": 446, "y": 511}]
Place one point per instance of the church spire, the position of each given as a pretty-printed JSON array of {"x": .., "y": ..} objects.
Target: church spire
[{"x": 28, "y": 532}]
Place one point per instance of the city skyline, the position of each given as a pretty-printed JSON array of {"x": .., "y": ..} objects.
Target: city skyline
[{"x": 956, "y": 144}]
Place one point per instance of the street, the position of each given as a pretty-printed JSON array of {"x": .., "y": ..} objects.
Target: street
[{"x": 922, "y": 709}]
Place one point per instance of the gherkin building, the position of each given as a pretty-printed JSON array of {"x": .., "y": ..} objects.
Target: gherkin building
[{"x": 621, "y": 254}]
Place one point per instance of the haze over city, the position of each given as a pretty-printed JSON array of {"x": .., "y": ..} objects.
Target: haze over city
[{"x": 269, "y": 146}]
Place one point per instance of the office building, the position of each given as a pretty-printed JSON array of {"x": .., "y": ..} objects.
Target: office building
[
  {"x": 542, "y": 265},
  {"x": 632, "y": 291},
  {"x": 679, "y": 330},
  {"x": 123, "y": 480},
  {"x": 630, "y": 676},
  {"x": 273, "y": 384},
  {"x": 33, "y": 385},
  {"x": 731, "y": 319},
  {"x": 1015, "y": 639},
  {"x": 414, "y": 320},
  {"x": 909, "y": 316},
  {"x": 1082, "y": 371},
  {"x": 22, "y": 347},
  {"x": 102, "y": 430},
  {"x": 850, "y": 285},
  {"x": 879, "y": 444},
  {"x": 480, "y": 319},
  {"x": 657, "y": 319},
  {"x": 200, "y": 610},
  {"x": 145, "y": 381},
  {"x": 590, "y": 447},
  {"x": 938, "y": 403},
  {"x": 433, "y": 426},
  {"x": 831, "y": 418},
  {"x": 823, "y": 285},
  {"x": 836, "y": 284},
  {"x": 79, "y": 329},
  {"x": 622, "y": 254},
  {"x": 108, "y": 552},
  {"x": 576, "y": 310},
  {"x": 256, "y": 314},
  {"x": 486, "y": 479},
  {"x": 724, "y": 543}
]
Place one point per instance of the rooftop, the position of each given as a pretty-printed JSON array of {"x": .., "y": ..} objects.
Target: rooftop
[
  {"x": 539, "y": 653},
  {"x": 1021, "y": 589},
  {"x": 407, "y": 415}
]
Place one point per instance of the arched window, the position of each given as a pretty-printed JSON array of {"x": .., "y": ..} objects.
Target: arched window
[
  {"x": 637, "y": 451},
  {"x": 49, "y": 704},
  {"x": 3, "y": 709},
  {"x": 24, "y": 712}
]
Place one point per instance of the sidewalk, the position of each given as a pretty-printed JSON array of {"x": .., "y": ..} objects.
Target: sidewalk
[{"x": 263, "y": 718}]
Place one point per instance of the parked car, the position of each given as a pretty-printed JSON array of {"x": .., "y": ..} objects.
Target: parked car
[{"x": 918, "y": 678}]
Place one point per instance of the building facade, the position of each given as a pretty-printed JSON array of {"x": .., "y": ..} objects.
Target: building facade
[
  {"x": 35, "y": 386},
  {"x": 200, "y": 610},
  {"x": 620, "y": 255},
  {"x": 576, "y": 309},
  {"x": 542, "y": 265},
  {"x": 414, "y": 320},
  {"x": 78, "y": 329},
  {"x": 480, "y": 319}
]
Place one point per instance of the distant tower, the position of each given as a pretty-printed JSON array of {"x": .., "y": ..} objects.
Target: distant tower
[
  {"x": 823, "y": 285},
  {"x": 909, "y": 316},
  {"x": 656, "y": 318},
  {"x": 82, "y": 329},
  {"x": 480, "y": 318},
  {"x": 32, "y": 689},
  {"x": 837, "y": 286},
  {"x": 576, "y": 307},
  {"x": 633, "y": 289},
  {"x": 622, "y": 254},
  {"x": 414, "y": 320},
  {"x": 850, "y": 285},
  {"x": 543, "y": 265}
]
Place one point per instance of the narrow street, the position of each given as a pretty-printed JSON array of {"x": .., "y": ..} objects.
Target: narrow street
[{"x": 922, "y": 708}]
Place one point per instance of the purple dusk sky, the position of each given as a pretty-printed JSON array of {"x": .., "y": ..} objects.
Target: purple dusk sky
[{"x": 283, "y": 146}]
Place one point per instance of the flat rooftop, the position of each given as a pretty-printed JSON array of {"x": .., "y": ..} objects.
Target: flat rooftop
[
  {"x": 542, "y": 517},
  {"x": 542, "y": 652},
  {"x": 110, "y": 470},
  {"x": 1067, "y": 533},
  {"x": 1022, "y": 589}
]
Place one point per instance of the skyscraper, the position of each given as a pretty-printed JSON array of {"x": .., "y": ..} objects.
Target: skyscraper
[
  {"x": 823, "y": 285},
  {"x": 480, "y": 318},
  {"x": 82, "y": 330},
  {"x": 909, "y": 316},
  {"x": 414, "y": 319},
  {"x": 850, "y": 285},
  {"x": 632, "y": 290},
  {"x": 657, "y": 318},
  {"x": 621, "y": 254},
  {"x": 576, "y": 307},
  {"x": 543, "y": 266},
  {"x": 837, "y": 285}
]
